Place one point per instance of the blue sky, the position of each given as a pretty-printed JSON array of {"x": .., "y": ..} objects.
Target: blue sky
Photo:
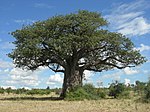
[{"x": 130, "y": 17}]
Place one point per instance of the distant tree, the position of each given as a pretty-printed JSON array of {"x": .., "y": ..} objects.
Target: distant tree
[
  {"x": 139, "y": 87},
  {"x": 48, "y": 88},
  {"x": 132, "y": 86},
  {"x": 2, "y": 90},
  {"x": 72, "y": 44},
  {"x": 21, "y": 91},
  {"x": 118, "y": 90},
  {"x": 9, "y": 90},
  {"x": 147, "y": 91}
]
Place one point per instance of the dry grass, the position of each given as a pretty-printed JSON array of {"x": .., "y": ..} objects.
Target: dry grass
[{"x": 108, "y": 105}]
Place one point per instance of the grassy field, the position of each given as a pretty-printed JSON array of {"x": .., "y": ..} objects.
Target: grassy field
[{"x": 11, "y": 103}]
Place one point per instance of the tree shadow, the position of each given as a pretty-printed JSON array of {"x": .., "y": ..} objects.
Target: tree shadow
[{"x": 33, "y": 98}]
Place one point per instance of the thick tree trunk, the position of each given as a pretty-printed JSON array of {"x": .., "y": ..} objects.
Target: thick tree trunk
[{"x": 72, "y": 78}]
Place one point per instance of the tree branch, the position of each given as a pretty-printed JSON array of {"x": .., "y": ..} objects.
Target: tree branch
[
  {"x": 56, "y": 70},
  {"x": 59, "y": 59},
  {"x": 119, "y": 67}
]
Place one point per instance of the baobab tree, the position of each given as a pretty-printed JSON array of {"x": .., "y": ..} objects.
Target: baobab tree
[{"x": 71, "y": 44}]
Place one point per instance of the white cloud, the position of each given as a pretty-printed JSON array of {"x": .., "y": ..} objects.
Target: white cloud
[
  {"x": 128, "y": 18},
  {"x": 143, "y": 48},
  {"x": 24, "y": 77},
  {"x": 88, "y": 74},
  {"x": 5, "y": 71},
  {"x": 82, "y": 60},
  {"x": 24, "y": 21},
  {"x": 26, "y": 88},
  {"x": 58, "y": 78},
  {"x": 5, "y": 87},
  {"x": 113, "y": 76},
  {"x": 5, "y": 64},
  {"x": 54, "y": 79},
  {"x": 138, "y": 26},
  {"x": 127, "y": 82},
  {"x": 99, "y": 83},
  {"x": 43, "y": 5},
  {"x": 130, "y": 71},
  {"x": 145, "y": 71}
]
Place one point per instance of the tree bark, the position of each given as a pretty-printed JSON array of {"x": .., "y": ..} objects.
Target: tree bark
[{"x": 72, "y": 78}]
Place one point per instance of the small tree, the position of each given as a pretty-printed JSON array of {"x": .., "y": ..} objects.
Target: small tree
[
  {"x": 147, "y": 91},
  {"x": 139, "y": 87},
  {"x": 2, "y": 90},
  {"x": 118, "y": 90},
  {"x": 48, "y": 88},
  {"x": 72, "y": 44},
  {"x": 9, "y": 90},
  {"x": 20, "y": 91}
]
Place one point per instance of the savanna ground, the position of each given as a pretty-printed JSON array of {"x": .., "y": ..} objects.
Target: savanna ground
[{"x": 24, "y": 103}]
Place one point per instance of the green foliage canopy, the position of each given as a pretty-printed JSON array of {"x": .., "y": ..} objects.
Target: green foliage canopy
[{"x": 76, "y": 37}]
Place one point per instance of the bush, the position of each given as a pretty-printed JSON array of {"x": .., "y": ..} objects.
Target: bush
[
  {"x": 124, "y": 95},
  {"x": 38, "y": 92},
  {"x": 89, "y": 88},
  {"x": 9, "y": 90},
  {"x": 77, "y": 94},
  {"x": 101, "y": 93},
  {"x": 147, "y": 91},
  {"x": 57, "y": 91},
  {"x": 146, "y": 97},
  {"x": 20, "y": 91},
  {"x": 1, "y": 91},
  {"x": 88, "y": 91},
  {"x": 140, "y": 87},
  {"x": 118, "y": 90}
]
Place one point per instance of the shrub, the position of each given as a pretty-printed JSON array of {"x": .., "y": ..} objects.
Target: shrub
[
  {"x": 139, "y": 87},
  {"x": 77, "y": 94},
  {"x": 147, "y": 91},
  {"x": 20, "y": 91},
  {"x": 88, "y": 91},
  {"x": 31, "y": 92},
  {"x": 146, "y": 97},
  {"x": 57, "y": 91},
  {"x": 1, "y": 91},
  {"x": 124, "y": 95},
  {"x": 38, "y": 92},
  {"x": 101, "y": 93},
  {"x": 9, "y": 90},
  {"x": 89, "y": 88},
  {"x": 118, "y": 90}
]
